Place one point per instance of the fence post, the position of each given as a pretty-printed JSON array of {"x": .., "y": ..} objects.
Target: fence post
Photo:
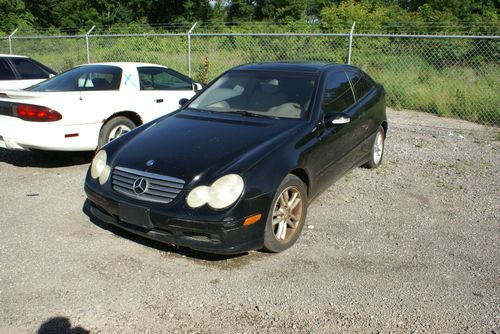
[
  {"x": 87, "y": 35},
  {"x": 189, "y": 47},
  {"x": 10, "y": 40},
  {"x": 350, "y": 43}
]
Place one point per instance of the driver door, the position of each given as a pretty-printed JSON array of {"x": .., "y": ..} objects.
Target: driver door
[{"x": 338, "y": 134}]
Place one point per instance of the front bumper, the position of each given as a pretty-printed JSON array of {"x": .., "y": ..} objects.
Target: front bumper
[{"x": 220, "y": 237}]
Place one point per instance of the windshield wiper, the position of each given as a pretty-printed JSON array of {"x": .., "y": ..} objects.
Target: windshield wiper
[{"x": 248, "y": 113}]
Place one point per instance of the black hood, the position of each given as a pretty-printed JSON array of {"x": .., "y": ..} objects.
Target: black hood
[{"x": 192, "y": 144}]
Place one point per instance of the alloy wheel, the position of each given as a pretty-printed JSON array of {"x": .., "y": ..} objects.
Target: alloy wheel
[
  {"x": 287, "y": 214},
  {"x": 378, "y": 148},
  {"x": 118, "y": 131}
]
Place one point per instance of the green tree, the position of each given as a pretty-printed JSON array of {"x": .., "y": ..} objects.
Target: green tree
[
  {"x": 13, "y": 14},
  {"x": 284, "y": 10},
  {"x": 240, "y": 10},
  {"x": 462, "y": 9}
]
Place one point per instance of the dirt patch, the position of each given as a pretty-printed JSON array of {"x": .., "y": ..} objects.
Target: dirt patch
[{"x": 409, "y": 247}]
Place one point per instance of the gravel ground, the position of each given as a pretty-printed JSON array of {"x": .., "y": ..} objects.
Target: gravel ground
[{"x": 409, "y": 247}]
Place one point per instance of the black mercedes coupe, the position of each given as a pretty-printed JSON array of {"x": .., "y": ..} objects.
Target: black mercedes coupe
[{"x": 235, "y": 168}]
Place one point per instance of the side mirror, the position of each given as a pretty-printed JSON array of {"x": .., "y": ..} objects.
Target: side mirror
[
  {"x": 51, "y": 75},
  {"x": 182, "y": 102},
  {"x": 336, "y": 119},
  {"x": 197, "y": 86}
]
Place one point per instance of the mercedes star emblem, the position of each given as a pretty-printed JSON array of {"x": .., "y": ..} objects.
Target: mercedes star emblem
[
  {"x": 140, "y": 186},
  {"x": 150, "y": 163}
]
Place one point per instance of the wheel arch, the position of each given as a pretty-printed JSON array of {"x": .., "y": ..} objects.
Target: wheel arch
[
  {"x": 385, "y": 126},
  {"x": 303, "y": 176},
  {"x": 132, "y": 115}
]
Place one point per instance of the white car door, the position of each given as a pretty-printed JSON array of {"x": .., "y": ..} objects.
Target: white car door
[{"x": 162, "y": 88}]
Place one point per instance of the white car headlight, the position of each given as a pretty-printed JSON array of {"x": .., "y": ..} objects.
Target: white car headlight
[
  {"x": 104, "y": 175},
  {"x": 198, "y": 196},
  {"x": 98, "y": 164},
  {"x": 221, "y": 194}
]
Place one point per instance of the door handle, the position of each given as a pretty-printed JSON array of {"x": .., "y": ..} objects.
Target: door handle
[
  {"x": 159, "y": 100},
  {"x": 341, "y": 120}
]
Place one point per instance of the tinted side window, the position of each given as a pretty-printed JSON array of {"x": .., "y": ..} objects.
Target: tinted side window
[
  {"x": 29, "y": 70},
  {"x": 338, "y": 94},
  {"x": 6, "y": 72},
  {"x": 86, "y": 77},
  {"x": 361, "y": 83},
  {"x": 154, "y": 78}
]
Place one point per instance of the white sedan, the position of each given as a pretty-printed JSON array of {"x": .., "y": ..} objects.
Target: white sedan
[
  {"x": 89, "y": 105},
  {"x": 18, "y": 72}
]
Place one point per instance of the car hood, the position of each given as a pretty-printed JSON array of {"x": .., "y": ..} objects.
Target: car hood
[{"x": 199, "y": 146}]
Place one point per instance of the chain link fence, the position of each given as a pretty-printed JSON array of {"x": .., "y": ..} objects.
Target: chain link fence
[
  {"x": 214, "y": 53},
  {"x": 4, "y": 46},
  {"x": 452, "y": 76},
  {"x": 169, "y": 50},
  {"x": 58, "y": 52}
]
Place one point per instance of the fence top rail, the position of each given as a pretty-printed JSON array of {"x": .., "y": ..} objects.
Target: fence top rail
[
  {"x": 347, "y": 35},
  {"x": 140, "y": 35},
  {"x": 429, "y": 36},
  {"x": 48, "y": 36},
  {"x": 268, "y": 34},
  {"x": 260, "y": 35}
]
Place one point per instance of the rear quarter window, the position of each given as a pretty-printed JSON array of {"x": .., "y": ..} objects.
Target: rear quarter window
[{"x": 362, "y": 83}]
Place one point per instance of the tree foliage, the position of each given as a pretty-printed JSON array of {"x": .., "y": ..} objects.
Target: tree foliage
[{"x": 332, "y": 14}]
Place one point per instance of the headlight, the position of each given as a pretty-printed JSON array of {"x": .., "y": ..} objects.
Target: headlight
[
  {"x": 221, "y": 194},
  {"x": 98, "y": 167},
  {"x": 104, "y": 175}
]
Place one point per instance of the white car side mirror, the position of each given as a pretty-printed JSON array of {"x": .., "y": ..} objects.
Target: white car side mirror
[{"x": 197, "y": 86}]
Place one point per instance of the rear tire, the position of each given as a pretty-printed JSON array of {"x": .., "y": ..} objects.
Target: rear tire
[
  {"x": 114, "y": 128},
  {"x": 377, "y": 150},
  {"x": 287, "y": 215}
]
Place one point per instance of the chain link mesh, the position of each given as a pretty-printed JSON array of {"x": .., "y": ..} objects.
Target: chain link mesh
[
  {"x": 58, "y": 53},
  {"x": 170, "y": 51},
  {"x": 212, "y": 55},
  {"x": 4, "y": 45},
  {"x": 449, "y": 77},
  {"x": 452, "y": 77}
]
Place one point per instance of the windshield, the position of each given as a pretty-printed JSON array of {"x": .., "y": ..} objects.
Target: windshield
[
  {"x": 259, "y": 93},
  {"x": 86, "y": 78}
]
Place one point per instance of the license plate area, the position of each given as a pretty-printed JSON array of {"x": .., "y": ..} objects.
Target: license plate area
[{"x": 134, "y": 215}]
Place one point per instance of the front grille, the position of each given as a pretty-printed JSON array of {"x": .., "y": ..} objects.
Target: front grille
[{"x": 159, "y": 188}]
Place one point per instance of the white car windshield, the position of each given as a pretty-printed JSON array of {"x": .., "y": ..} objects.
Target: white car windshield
[
  {"x": 259, "y": 93},
  {"x": 82, "y": 78}
]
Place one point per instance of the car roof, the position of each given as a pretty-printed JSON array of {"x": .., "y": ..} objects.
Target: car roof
[
  {"x": 125, "y": 64},
  {"x": 4, "y": 55},
  {"x": 312, "y": 67}
]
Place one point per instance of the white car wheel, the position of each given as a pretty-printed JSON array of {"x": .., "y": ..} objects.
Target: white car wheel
[{"x": 114, "y": 128}]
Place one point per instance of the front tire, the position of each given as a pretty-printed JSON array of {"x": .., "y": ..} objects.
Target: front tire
[
  {"x": 377, "y": 150},
  {"x": 114, "y": 128},
  {"x": 287, "y": 216}
]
